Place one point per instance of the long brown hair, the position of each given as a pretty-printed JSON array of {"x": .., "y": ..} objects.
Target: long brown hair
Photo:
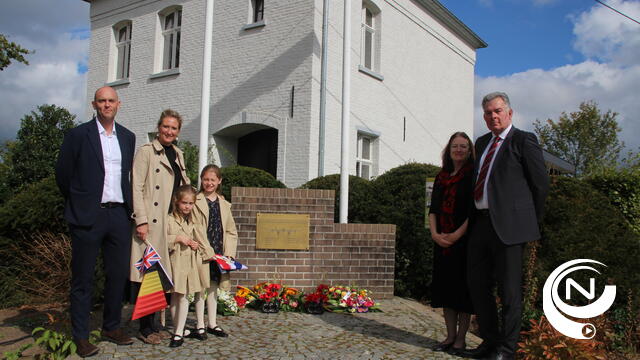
[
  {"x": 216, "y": 170},
  {"x": 183, "y": 190},
  {"x": 447, "y": 162}
]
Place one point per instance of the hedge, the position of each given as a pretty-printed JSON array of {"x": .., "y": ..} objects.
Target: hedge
[
  {"x": 360, "y": 196},
  {"x": 246, "y": 177}
]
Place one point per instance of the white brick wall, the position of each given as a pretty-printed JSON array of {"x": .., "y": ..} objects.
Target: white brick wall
[{"x": 428, "y": 78}]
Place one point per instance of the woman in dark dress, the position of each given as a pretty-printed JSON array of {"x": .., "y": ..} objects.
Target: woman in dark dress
[{"x": 448, "y": 219}]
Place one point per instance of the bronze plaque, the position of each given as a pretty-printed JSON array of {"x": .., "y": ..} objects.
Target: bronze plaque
[{"x": 282, "y": 231}]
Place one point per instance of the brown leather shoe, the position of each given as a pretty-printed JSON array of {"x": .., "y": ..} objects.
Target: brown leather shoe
[
  {"x": 117, "y": 336},
  {"x": 85, "y": 348}
]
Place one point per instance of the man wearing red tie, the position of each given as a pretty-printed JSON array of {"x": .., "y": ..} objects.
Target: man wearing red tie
[{"x": 511, "y": 184}]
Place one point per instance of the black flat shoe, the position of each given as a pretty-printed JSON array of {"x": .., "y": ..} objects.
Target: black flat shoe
[
  {"x": 457, "y": 351},
  {"x": 200, "y": 334},
  {"x": 442, "y": 347},
  {"x": 484, "y": 350},
  {"x": 176, "y": 341},
  {"x": 217, "y": 331}
]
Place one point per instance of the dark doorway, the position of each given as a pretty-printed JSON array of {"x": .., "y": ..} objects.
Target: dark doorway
[{"x": 259, "y": 149}]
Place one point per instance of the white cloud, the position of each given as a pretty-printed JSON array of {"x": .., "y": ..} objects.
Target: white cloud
[
  {"x": 610, "y": 76},
  {"x": 58, "y": 32},
  {"x": 52, "y": 77}
]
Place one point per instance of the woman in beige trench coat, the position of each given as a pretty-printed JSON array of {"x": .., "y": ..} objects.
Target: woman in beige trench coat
[
  {"x": 158, "y": 169},
  {"x": 212, "y": 216}
]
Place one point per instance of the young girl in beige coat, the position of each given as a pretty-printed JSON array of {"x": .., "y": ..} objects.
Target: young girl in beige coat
[
  {"x": 187, "y": 250},
  {"x": 215, "y": 222}
]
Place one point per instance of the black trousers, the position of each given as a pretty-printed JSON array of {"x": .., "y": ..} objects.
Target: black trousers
[
  {"x": 112, "y": 233},
  {"x": 490, "y": 261}
]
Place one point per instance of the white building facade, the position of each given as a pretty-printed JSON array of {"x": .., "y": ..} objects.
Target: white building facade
[{"x": 412, "y": 79}]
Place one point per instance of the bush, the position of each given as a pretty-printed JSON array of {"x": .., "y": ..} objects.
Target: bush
[
  {"x": 191, "y": 160},
  {"x": 580, "y": 223},
  {"x": 400, "y": 200},
  {"x": 246, "y": 177},
  {"x": 623, "y": 190},
  {"x": 360, "y": 196}
]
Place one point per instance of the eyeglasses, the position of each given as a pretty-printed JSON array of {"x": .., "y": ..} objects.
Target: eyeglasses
[{"x": 460, "y": 146}]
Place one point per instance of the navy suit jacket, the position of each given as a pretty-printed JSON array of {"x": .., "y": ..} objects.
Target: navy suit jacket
[
  {"x": 517, "y": 186},
  {"x": 80, "y": 171}
]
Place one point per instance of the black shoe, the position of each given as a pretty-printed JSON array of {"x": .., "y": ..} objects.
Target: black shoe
[
  {"x": 442, "y": 347},
  {"x": 457, "y": 351},
  {"x": 200, "y": 334},
  {"x": 84, "y": 348},
  {"x": 176, "y": 341},
  {"x": 484, "y": 350},
  {"x": 217, "y": 331}
]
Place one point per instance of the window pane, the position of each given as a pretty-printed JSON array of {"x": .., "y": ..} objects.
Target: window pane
[
  {"x": 177, "y": 47},
  {"x": 168, "y": 21},
  {"x": 179, "y": 18},
  {"x": 127, "y": 59},
  {"x": 366, "y": 148},
  {"x": 358, "y": 168},
  {"x": 168, "y": 43},
  {"x": 368, "y": 17},
  {"x": 122, "y": 35},
  {"x": 368, "y": 44},
  {"x": 365, "y": 171},
  {"x": 120, "y": 63}
]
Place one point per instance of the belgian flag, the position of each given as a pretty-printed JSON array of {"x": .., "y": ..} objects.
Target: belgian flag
[{"x": 151, "y": 296}]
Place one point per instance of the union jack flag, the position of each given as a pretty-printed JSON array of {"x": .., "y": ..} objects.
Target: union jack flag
[{"x": 149, "y": 258}]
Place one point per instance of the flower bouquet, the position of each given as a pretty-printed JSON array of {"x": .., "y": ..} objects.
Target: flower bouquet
[
  {"x": 268, "y": 296},
  {"x": 290, "y": 299},
  {"x": 346, "y": 299},
  {"x": 314, "y": 302},
  {"x": 245, "y": 297},
  {"x": 227, "y": 304}
]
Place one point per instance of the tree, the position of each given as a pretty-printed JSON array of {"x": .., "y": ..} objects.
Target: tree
[
  {"x": 588, "y": 139},
  {"x": 11, "y": 51},
  {"x": 32, "y": 156}
]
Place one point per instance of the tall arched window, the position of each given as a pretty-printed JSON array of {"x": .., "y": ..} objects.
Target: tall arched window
[
  {"x": 170, "y": 22},
  {"x": 122, "y": 32},
  {"x": 370, "y": 50}
]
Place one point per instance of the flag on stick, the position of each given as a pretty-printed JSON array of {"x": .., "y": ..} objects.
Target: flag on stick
[{"x": 151, "y": 296}]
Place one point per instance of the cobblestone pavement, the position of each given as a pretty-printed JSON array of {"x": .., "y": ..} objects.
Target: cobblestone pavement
[{"x": 404, "y": 330}]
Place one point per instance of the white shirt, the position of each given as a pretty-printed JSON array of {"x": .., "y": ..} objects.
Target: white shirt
[
  {"x": 112, "y": 189},
  {"x": 483, "y": 203}
]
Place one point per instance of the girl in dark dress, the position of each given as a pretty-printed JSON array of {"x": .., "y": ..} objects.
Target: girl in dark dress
[{"x": 448, "y": 219}]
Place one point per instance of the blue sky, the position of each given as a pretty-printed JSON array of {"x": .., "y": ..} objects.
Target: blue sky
[{"x": 549, "y": 55}]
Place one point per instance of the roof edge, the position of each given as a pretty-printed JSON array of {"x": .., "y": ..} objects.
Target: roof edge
[{"x": 447, "y": 18}]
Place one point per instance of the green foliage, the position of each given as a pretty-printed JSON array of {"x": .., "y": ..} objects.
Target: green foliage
[
  {"x": 37, "y": 207},
  {"x": 400, "y": 200},
  {"x": 190, "y": 159},
  {"x": 16, "y": 354},
  {"x": 581, "y": 223},
  {"x": 360, "y": 196},
  {"x": 623, "y": 190},
  {"x": 59, "y": 346},
  {"x": 33, "y": 155},
  {"x": 11, "y": 51},
  {"x": 588, "y": 139},
  {"x": 246, "y": 177}
]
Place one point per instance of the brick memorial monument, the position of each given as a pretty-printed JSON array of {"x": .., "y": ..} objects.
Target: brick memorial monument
[{"x": 349, "y": 254}]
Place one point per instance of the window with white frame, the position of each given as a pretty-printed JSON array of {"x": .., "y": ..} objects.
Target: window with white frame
[
  {"x": 370, "y": 51},
  {"x": 171, "y": 22},
  {"x": 123, "y": 49},
  {"x": 365, "y": 158},
  {"x": 257, "y": 11}
]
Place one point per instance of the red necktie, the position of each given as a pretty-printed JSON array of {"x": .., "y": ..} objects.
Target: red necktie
[{"x": 479, "y": 189}]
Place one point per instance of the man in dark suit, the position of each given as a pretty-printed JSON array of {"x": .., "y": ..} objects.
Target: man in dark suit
[
  {"x": 511, "y": 184},
  {"x": 93, "y": 174}
]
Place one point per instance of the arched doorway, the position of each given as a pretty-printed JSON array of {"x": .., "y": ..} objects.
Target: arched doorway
[{"x": 259, "y": 149}]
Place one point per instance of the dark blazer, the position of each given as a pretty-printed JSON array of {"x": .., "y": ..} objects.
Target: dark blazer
[
  {"x": 80, "y": 171},
  {"x": 517, "y": 186}
]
